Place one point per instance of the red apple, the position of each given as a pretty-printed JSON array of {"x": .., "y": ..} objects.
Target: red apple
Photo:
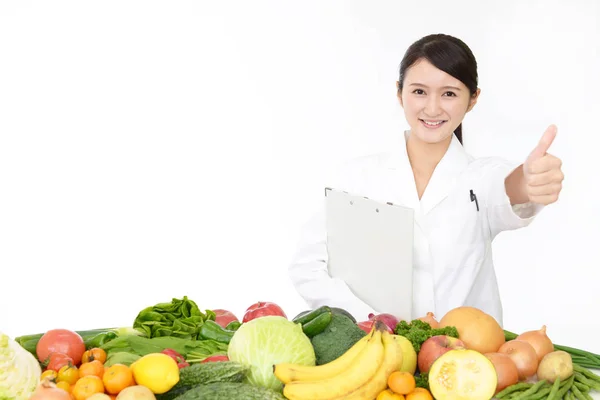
[
  {"x": 262, "y": 309},
  {"x": 224, "y": 317},
  {"x": 433, "y": 348}
]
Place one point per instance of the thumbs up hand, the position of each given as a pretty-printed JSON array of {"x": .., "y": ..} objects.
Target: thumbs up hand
[{"x": 542, "y": 171}]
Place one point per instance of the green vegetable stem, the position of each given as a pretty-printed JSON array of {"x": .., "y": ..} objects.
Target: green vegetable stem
[
  {"x": 212, "y": 330},
  {"x": 180, "y": 318}
]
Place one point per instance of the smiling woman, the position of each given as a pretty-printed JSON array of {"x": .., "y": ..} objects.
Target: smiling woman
[{"x": 460, "y": 203}]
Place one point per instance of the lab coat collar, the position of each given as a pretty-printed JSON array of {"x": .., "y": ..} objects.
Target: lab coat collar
[{"x": 444, "y": 177}]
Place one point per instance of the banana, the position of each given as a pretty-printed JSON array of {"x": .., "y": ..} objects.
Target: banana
[
  {"x": 392, "y": 362},
  {"x": 288, "y": 372},
  {"x": 364, "y": 366}
]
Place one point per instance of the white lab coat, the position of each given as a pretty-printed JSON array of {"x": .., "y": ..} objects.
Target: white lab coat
[{"x": 452, "y": 257}]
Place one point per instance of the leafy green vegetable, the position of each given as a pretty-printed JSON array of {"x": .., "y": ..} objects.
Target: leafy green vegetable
[
  {"x": 418, "y": 331},
  {"x": 180, "y": 318},
  {"x": 120, "y": 357},
  {"x": 265, "y": 341},
  {"x": 422, "y": 380},
  {"x": 20, "y": 371},
  {"x": 141, "y": 346}
]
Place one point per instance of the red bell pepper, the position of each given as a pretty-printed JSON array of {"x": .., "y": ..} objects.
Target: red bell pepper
[{"x": 179, "y": 359}]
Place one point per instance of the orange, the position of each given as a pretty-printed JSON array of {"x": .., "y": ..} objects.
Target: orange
[
  {"x": 419, "y": 394},
  {"x": 95, "y": 368},
  {"x": 64, "y": 386},
  {"x": 94, "y": 354},
  {"x": 389, "y": 395},
  {"x": 117, "y": 377},
  {"x": 87, "y": 386},
  {"x": 401, "y": 382}
]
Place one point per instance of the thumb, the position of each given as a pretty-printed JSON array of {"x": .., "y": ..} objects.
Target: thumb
[{"x": 544, "y": 143}]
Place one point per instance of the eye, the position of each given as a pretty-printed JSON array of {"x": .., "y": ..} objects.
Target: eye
[
  {"x": 418, "y": 91},
  {"x": 450, "y": 94}
]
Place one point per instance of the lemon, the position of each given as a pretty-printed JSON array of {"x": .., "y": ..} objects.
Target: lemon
[{"x": 157, "y": 371}]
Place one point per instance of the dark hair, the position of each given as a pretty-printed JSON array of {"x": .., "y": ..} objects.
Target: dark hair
[{"x": 447, "y": 53}]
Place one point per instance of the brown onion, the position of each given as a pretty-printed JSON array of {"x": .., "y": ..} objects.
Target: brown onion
[
  {"x": 430, "y": 319},
  {"x": 47, "y": 390},
  {"x": 540, "y": 342},
  {"x": 506, "y": 370},
  {"x": 523, "y": 355}
]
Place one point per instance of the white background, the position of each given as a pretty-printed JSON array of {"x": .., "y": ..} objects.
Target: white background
[{"x": 151, "y": 150}]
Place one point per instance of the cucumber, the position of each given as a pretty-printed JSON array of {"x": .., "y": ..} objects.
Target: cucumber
[
  {"x": 306, "y": 317},
  {"x": 317, "y": 324},
  {"x": 205, "y": 373},
  {"x": 229, "y": 391},
  {"x": 334, "y": 310}
]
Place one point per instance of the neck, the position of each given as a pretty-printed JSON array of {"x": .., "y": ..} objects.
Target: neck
[{"x": 424, "y": 157}]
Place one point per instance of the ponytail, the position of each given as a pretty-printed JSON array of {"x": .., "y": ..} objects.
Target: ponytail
[{"x": 458, "y": 133}]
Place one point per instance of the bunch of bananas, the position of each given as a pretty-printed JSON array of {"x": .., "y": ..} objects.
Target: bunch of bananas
[{"x": 359, "y": 374}]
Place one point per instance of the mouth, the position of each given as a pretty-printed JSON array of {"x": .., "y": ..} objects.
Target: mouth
[{"x": 431, "y": 124}]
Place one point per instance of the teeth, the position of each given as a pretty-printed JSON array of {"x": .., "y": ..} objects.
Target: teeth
[{"x": 433, "y": 123}]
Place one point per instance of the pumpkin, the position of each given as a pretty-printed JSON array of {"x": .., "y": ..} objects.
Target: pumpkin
[{"x": 479, "y": 331}]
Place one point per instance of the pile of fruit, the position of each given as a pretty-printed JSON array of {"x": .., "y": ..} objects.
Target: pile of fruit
[{"x": 175, "y": 351}]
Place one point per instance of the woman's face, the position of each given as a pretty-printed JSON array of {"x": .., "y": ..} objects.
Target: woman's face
[{"x": 434, "y": 102}]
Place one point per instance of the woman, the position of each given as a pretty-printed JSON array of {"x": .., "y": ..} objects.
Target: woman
[{"x": 460, "y": 203}]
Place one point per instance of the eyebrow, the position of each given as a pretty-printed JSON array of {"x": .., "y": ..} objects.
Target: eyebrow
[{"x": 426, "y": 87}]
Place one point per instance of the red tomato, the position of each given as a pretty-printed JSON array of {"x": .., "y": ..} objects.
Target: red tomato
[
  {"x": 215, "y": 359},
  {"x": 61, "y": 341},
  {"x": 262, "y": 309},
  {"x": 58, "y": 360},
  {"x": 224, "y": 317}
]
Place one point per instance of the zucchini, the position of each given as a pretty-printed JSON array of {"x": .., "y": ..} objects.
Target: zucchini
[
  {"x": 317, "y": 324},
  {"x": 230, "y": 391},
  {"x": 205, "y": 373}
]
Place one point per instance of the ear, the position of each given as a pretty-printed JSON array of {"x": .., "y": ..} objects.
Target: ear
[
  {"x": 473, "y": 99},
  {"x": 399, "y": 94}
]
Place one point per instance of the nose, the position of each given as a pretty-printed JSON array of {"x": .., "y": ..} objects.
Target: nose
[{"x": 432, "y": 107}]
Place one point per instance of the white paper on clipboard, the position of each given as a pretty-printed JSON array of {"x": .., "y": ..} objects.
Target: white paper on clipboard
[{"x": 370, "y": 248}]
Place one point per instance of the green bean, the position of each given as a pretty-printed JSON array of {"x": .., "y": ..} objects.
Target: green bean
[
  {"x": 586, "y": 373},
  {"x": 531, "y": 390},
  {"x": 513, "y": 388},
  {"x": 554, "y": 390},
  {"x": 578, "y": 394},
  {"x": 565, "y": 386},
  {"x": 590, "y": 383},
  {"x": 541, "y": 394}
]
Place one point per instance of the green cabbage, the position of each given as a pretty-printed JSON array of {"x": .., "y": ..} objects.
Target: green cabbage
[
  {"x": 20, "y": 372},
  {"x": 266, "y": 341}
]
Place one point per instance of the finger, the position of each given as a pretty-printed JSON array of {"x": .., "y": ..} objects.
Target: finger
[
  {"x": 544, "y": 190},
  {"x": 544, "y": 200},
  {"x": 544, "y": 178},
  {"x": 544, "y": 164},
  {"x": 544, "y": 143}
]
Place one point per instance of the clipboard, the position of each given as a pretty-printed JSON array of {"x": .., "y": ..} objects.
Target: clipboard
[{"x": 370, "y": 248}]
